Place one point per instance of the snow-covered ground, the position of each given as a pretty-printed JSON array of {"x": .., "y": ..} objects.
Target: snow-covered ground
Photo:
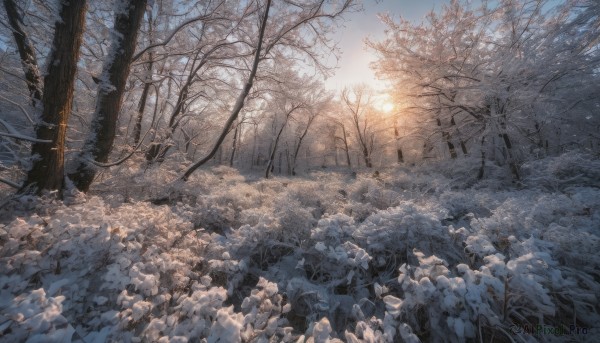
[{"x": 415, "y": 253}]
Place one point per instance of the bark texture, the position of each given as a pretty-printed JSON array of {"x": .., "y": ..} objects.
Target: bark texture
[
  {"x": 47, "y": 171},
  {"x": 110, "y": 94},
  {"x": 26, "y": 52}
]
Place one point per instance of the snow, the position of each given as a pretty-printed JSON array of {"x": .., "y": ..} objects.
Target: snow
[{"x": 240, "y": 260}]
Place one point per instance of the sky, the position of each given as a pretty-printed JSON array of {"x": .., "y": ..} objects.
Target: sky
[{"x": 353, "y": 67}]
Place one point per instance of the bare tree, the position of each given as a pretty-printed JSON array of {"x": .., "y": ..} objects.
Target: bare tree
[
  {"x": 234, "y": 143},
  {"x": 317, "y": 101},
  {"x": 302, "y": 132},
  {"x": 147, "y": 79},
  {"x": 239, "y": 104},
  {"x": 358, "y": 104},
  {"x": 282, "y": 39},
  {"x": 288, "y": 108}
]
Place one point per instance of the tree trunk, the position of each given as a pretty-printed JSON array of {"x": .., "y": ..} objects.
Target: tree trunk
[
  {"x": 297, "y": 150},
  {"x": 398, "y": 149},
  {"x": 137, "y": 130},
  {"x": 446, "y": 137},
  {"x": 110, "y": 93},
  {"x": 451, "y": 147},
  {"x": 26, "y": 52},
  {"x": 510, "y": 157},
  {"x": 280, "y": 162},
  {"x": 463, "y": 147},
  {"x": 335, "y": 156},
  {"x": 512, "y": 163},
  {"x": 367, "y": 157},
  {"x": 254, "y": 147},
  {"x": 270, "y": 164},
  {"x": 233, "y": 145},
  {"x": 47, "y": 171},
  {"x": 346, "y": 147},
  {"x": 482, "y": 168},
  {"x": 239, "y": 104},
  {"x": 288, "y": 161}
]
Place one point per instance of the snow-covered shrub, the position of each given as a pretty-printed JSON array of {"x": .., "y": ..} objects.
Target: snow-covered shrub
[
  {"x": 441, "y": 306},
  {"x": 294, "y": 219},
  {"x": 310, "y": 260},
  {"x": 560, "y": 172},
  {"x": 391, "y": 235},
  {"x": 324, "y": 197},
  {"x": 35, "y": 317},
  {"x": 359, "y": 210}
]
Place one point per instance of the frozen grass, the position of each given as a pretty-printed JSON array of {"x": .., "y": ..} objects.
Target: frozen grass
[{"x": 426, "y": 253}]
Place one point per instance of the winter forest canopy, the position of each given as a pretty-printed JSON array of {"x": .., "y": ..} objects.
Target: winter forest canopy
[{"x": 179, "y": 171}]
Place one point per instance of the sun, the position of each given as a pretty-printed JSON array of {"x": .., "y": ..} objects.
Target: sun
[
  {"x": 387, "y": 107},
  {"x": 383, "y": 103}
]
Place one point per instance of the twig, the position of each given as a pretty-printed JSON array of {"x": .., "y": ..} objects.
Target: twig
[
  {"x": 14, "y": 133},
  {"x": 22, "y": 109},
  {"x": 116, "y": 163},
  {"x": 10, "y": 183}
]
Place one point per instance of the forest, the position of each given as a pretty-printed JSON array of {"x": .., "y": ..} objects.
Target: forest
[{"x": 181, "y": 171}]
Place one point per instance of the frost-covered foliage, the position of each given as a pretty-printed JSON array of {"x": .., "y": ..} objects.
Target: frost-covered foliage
[{"x": 409, "y": 255}]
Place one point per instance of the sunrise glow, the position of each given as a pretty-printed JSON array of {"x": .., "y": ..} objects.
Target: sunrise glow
[{"x": 387, "y": 107}]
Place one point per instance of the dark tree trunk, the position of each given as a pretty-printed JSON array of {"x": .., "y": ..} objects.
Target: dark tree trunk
[
  {"x": 367, "y": 158},
  {"x": 463, "y": 147},
  {"x": 451, "y": 147},
  {"x": 233, "y": 145},
  {"x": 400, "y": 156},
  {"x": 335, "y": 157},
  {"x": 280, "y": 162},
  {"x": 511, "y": 159},
  {"x": 270, "y": 164},
  {"x": 110, "y": 93},
  {"x": 288, "y": 162},
  {"x": 512, "y": 163},
  {"x": 187, "y": 142},
  {"x": 482, "y": 168},
  {"x": 137, "y": 130},
  {"x": 26, "y": 52},
  {"x": 47, "y": 171},
  {"x": 362, "y": 140},
  {"x": 346, "y": 149},
  {"x": 300, "y": 139},
  {"x": 446, "y": 137}
]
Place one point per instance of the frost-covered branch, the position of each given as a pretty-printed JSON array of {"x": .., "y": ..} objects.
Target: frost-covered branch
[
  {"x": 239, "y": 104},
  {"x": 14, "y": 133}
]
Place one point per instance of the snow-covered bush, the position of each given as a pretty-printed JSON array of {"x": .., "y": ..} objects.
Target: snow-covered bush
[{"x": 329, "y": 258}]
